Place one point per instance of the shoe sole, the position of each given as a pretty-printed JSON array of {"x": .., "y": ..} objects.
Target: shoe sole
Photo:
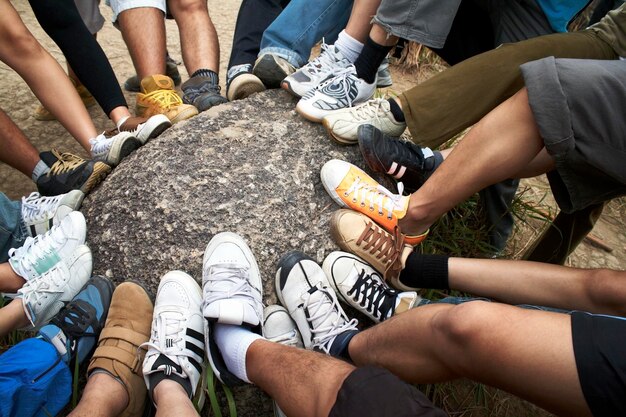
[
  {"x": 154, "y": 126},
  {"x": 184, "y": 115},
  {"x": 308, "y": 116},
  {"x": 336, "y": 138},
  {"x": 243, "y": 87},
  {"x": 99, "y": 173},
  {"x": 266, "y": 69},
  {"x": 122, "y": 149},
  {"x": 286, "y": 85}
]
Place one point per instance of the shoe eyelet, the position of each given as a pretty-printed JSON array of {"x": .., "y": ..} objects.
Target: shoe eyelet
[
  {"x": 362, "y": 204},
  {"x": 346, "y": 194},
  {"x": 371, "y": 208}
]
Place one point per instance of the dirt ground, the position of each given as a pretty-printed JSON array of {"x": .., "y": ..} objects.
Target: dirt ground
[{"x": 19, "y": 102}]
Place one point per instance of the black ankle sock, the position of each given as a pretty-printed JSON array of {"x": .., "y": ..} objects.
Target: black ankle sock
[
  {"x": 426, "y": 271},
  {"x": 397, "y": 112},
  {"x": 369, "y": 60},
  {"x": 215, "y": 78},
  {"x": 157, "y": 377},
  {"x": 339, "y": 348}
]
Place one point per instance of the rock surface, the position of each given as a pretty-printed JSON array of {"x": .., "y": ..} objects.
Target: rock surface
[{"x": 249, "y": 167}]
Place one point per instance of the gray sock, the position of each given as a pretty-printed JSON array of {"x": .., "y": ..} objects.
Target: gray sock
[{"x": 40, "y": 169}]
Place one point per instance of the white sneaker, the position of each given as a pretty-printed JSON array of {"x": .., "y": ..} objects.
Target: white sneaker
[
  {"x": 44, "y": 296},
  {"x": 302, "y": 287},
  {"x": 360, "y": 286},
  {"x": 383, "y": 76},
  {"x": 343, "y": 90},
  {"x": 278, "y": 327},
  {"x": 328, "y": 62},
  {"x": 176, "y": 346},
  {"x": 233, "y": 294},
  {"x": 342, "y": 125},
  {"x": 111, "y": 150},
  {"x": 151, "y": 128},
  {"x": 41, "y": 253},
  {"x": 39, "y": 213}
]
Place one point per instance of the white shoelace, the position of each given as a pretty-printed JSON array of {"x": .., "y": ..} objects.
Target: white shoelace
[
  {"x": 100, "y": 145},
  {"x": 287, "y": 339},
  {"x": 325, "y": 318},
  {"x": 50, "y": 282},
  {"x": 342, "y": 76},
  {"x": 36, "y": 208},
  {"x": 324, "y": 63},
  {"x": 168, "y": 335},
  {"x": 376, "y": 196},
  {"x": 228, "y": 281},
  {"x": 369, "y": 110},
  {"x": 37, "y": 248}
]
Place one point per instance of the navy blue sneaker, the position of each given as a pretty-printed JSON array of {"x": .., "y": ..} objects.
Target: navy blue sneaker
[
  {"x": 403, "y": 160},
  {"x": 75, "y": 329}
]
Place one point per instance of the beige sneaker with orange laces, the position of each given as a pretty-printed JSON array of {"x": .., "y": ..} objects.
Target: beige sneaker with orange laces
[{"x": 159, "y": 97}]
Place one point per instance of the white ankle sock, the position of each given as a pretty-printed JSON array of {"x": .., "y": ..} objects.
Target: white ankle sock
[
  {"x": 348, "y": 46},
  {"x": 121, "y": 122},
  {"x": 40, "y": 169},
  {"x": 233, "y": 342}
]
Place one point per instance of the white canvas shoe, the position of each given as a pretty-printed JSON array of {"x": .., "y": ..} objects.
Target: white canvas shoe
[
  {"x": 111, "y": 150},
  {"x": 40, "y": 213}
]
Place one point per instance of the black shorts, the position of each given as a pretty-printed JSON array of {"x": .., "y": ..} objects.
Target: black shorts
[
  {"x": 370, "y": 391},
  {"x": 600, "y": 351}
]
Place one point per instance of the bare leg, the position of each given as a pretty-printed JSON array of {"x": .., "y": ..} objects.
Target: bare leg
[
  {"x": 10, "y": 282},
  {"x": 172, "y": 400},
  {"x": 601, "y": 291},
  {"x": 15, "y": 149},
  {"x": 143, "y": 30},
  {"x": 198, "y": 38},
  {"x": 501, "y": 145},
  {"x": 378, "y": 35},
  {"x": 528, "y": 353},
  {"x": 103, "y": 397},
  {"x": 21, "y": 51},
  {"x": 12, "y": 317},
  {"x": 305, "y": 384},
  {"x": 359, "y": 23}
]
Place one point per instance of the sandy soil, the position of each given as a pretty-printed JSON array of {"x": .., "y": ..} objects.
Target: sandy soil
[{"x": 19, "y": 102}]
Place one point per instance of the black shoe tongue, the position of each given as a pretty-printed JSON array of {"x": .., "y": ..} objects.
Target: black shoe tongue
[{"x": 156, "y": 377}]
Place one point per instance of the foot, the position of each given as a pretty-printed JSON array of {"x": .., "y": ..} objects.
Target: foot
[
  {"x": 303, "y": 288},
  {"x": 351, "y": 187},
  {"x": 39, "y": 254},
  {"x": 383, "y": 76},
  {"x": 361, "y": 286},
  {"x": 386, "y": 252},
  {"x": 44, "y": 296},
  {"x": 241, "y": 82},
  {"x": 111, "y": 150},
  {"x": 74, "y": 331},
  {"x": 176, "y": 346},
  {"x": 272, "y": 69},
  {"x": 343, "y": 90},
  {"x": 133, "y": 84},
  {"x": 43, "y": 114},
  {"x": 118, "y": 353},
  {"x": 233, "y": 294},
  {"x": 70, "y": 172},
  {"x": 202, "y": 92},
  {"x": 158, "y": 96},
  {"x": 145, "y": 129},
  {"x": 402, "y": 160},
  {"x": 278, "y": 327},
  {"x": 39, "y": 213},
  {"x": 328, "y": 62},
  {"x": 342, "y": 125}
]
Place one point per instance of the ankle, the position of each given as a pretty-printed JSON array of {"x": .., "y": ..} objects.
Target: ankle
[
  {"x": 104, "y": 393},
  {"x": 416, "y": 221},
  {"x": 168, "y": 390}
]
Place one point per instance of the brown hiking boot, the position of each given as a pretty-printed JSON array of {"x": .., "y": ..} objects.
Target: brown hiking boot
[
  {"x": 159, "y": 97},
  {"x": 385, "y": 252},
  {"x": 127, "y": 327}
]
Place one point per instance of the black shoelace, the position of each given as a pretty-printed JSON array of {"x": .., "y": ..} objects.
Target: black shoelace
[{"x": 375, "y": 296}]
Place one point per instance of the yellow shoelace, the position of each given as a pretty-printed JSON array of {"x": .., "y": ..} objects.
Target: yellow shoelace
[
  {"x": 165, "y": 98},
  {"x": 66, "y": 162}
]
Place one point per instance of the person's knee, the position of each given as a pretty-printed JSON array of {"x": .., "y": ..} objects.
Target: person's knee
[
  {"x": 606, "y": 289},
  {"x": 182, "y": 8},
  {"x": 19, "y": 42},
  {"x": 462, "y": 325},
  {"x": 56, "y": 15}
]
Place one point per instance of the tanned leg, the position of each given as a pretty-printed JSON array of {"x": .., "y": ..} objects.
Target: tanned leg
[{"x": 143, "y": 30}]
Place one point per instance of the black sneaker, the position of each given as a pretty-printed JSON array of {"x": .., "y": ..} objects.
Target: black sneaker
[
  {"x": 74, "y": 331},
  {"x": 202, "y": 92},
  {"x": 403, "y": 160},
  {"x": 272, "y": 69},
  {"x": 69, "y": 172}
]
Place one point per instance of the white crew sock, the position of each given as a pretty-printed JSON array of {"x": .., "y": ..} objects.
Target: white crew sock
[
  {"x": 348, "y": 46},
  {"x": 233, "y": 342},
  {"x": 40, "y": 169}
]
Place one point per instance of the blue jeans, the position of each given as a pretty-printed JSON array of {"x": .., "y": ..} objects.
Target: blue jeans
[
  {"x": 34, "y": 381},
  {"x": 301, "y": 25},
  {"x": 12, "y": 230}
]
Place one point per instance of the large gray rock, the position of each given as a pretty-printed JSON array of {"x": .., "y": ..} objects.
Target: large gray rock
[{"x": 250, "y": 167}]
